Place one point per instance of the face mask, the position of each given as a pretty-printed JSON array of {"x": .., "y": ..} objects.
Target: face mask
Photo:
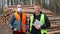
[{"x": 19, "y": 9}]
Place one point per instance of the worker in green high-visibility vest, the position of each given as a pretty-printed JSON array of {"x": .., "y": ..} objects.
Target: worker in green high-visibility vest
[{"x": 44, "y": 22}]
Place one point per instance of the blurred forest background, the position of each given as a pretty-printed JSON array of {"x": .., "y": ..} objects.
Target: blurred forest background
[{"x": 53, "y": 5}]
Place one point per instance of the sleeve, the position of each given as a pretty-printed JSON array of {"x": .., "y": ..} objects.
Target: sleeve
[
  {"x": 47, "y": 23},
  {"x": 10, "y": 23},
  {"x": 27, "y": 24}
]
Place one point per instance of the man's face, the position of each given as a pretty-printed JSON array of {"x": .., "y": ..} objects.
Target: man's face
[
  {"x": 37, "y": 8},
  {"x": 19, "y": 7}
]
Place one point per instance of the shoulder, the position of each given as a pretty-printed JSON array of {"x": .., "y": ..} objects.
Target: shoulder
[
  {"x": 24, "y": 13},
  {"x": 12, "y": 15},
  {"x": 43, "y": 13}
]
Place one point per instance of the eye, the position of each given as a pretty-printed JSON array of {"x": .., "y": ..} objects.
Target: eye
[
  {"x": 18, "y": 7},
  {"x": 38, "y": 8}
]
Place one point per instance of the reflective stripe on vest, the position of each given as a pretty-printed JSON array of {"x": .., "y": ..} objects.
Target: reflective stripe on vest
[
  {"x": 42, "y": 20},
  {"x": 23, "y": 22}
]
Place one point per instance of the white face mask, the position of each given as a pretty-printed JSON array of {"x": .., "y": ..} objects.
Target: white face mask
[{"x": 19, "y": 9}]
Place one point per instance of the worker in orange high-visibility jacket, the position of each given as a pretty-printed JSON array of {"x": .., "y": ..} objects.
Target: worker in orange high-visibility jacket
[{"x": 18, "y": 21}]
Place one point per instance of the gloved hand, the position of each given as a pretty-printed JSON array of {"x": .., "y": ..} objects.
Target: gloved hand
[
  {"x": 27, "y": 32},
  {"x": 37, "y": 26},
  {"x": 15, "y": 29}
]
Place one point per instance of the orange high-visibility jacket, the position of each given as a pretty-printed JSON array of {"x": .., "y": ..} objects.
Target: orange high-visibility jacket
[{"x": 23, "y": 21}]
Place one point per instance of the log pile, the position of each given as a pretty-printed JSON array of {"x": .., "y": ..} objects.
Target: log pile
[{"x": 5, "y": 17}]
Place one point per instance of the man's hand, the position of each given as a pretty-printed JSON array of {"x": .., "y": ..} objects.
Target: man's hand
[
  {"x": 37, "y": 26},
  {"x": 15, "y": 29}
]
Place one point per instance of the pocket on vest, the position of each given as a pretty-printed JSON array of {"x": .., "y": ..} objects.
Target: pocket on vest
[{"x": 16, "y": 24}]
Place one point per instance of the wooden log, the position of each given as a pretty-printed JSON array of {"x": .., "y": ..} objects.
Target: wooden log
[{"x": 54, "y": 32}]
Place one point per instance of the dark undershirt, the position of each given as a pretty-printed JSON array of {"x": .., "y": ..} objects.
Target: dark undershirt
[{"x": 33, "y": 28}]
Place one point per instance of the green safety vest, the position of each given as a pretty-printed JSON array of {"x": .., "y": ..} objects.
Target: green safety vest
[{"x": 42, "y": 20}]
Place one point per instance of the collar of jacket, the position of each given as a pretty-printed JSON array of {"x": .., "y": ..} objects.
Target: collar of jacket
[{"x": 39, "y": 14}]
